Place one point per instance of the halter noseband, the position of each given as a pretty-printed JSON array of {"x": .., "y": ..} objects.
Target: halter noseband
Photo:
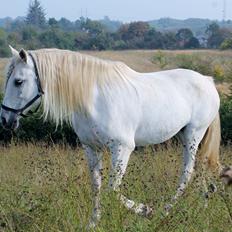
[{"x": 40, "y": 93}]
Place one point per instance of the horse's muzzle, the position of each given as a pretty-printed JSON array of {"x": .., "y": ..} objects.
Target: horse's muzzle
[{"x": 9, "y": 120}]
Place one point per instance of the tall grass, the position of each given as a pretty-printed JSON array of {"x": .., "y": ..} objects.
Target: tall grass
[{"x": 48, "y": 189}]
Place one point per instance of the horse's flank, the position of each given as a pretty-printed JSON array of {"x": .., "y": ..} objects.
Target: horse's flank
[{"x": 68, "y": 79}]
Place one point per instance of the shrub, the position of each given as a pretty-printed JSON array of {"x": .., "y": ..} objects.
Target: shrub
[
  {"x": 120, "y": 45},
  {"x": 218, "y": 72},
  {"x": 226, "y": 44},
  {"x": 34, "y": 129},
  {"x": 161, "y": 59},
  {"x": 4, "y": 50},
  {"x": 196, "y": 63},
  {"x": 206, "y": 65},
  {"x": 226, "y": 118}
]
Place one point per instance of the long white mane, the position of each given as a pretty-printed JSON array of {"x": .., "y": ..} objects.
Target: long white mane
[{"x": 68, "y": 80}]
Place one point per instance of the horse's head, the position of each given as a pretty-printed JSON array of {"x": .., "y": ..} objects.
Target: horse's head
[{"x": 22, "y": 89}]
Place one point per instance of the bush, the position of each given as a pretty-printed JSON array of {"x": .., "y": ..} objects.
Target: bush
[
  {"x": 219, "y": 69},
  {"x": 161, "y": 59},
  {"x": 218, "y": 72},
  {"x": 226, "y": 118},
  {"x": 4, "y": 50},
  {"x": 56, "y": 38},
  {"x": 196, "y": 63},
  {"x": 34, "y": 129},
  {"x": 226, "y": 44},
  {"x": 120, "y": 45}
]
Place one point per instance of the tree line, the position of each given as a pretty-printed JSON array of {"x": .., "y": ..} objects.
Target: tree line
[{"x": 35, "y": 31}]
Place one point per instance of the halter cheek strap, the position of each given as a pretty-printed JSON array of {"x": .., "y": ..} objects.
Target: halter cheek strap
[{"x": 40, "y": 93}]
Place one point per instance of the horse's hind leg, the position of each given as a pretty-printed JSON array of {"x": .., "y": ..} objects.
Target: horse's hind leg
[
  {"x": 94, "y": 159},
  {"x": 120, "y": 157},
  {"x": 190, "y": 138}
]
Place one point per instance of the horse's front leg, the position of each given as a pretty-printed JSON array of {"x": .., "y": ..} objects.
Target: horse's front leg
[
  {"x": 94, "y": 159},
  {"x": 120, "y": 157}
]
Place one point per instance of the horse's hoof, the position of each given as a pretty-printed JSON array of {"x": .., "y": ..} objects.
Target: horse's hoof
[
  {"x": 167, "y": 208},
  {"x": 146, "y": 211},
  {"x": 91, "y": 226},
  {"x": 212, "y": 188},
  {"x": 93, "y": 221},
  {"x": 149, "y": 212}
]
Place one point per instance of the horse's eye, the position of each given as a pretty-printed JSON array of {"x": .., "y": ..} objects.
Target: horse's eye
[{"x": 18, "y": 82}]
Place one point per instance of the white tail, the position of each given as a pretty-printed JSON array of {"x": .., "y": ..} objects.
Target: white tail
[{"x": 210, "y": 145}]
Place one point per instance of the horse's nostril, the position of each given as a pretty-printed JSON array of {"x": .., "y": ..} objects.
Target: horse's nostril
[{"x": 3, "y": 120}]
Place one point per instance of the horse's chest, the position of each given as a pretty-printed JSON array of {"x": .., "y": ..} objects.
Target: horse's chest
[{"x": 88, "y": 131}]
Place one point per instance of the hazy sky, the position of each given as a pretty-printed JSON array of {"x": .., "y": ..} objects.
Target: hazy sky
[{"x": 123, "y": 10}]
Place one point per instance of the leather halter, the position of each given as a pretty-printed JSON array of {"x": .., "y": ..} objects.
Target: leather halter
[{"x": 40, "y": 93}]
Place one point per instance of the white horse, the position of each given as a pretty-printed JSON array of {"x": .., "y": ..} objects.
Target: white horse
[{"x": 112, "y": 106}]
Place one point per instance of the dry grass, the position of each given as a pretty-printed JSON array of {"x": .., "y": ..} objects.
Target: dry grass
[
  {"x": 48, "y": 189},
  {"x": 142, "y": 60}
]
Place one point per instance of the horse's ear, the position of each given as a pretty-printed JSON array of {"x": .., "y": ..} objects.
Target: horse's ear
[
  {"x": 14, "y": 51},
  {"x": 23, "y": 55}
]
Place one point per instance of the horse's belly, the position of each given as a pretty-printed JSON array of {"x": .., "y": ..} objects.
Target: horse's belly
[
  {"x": 147, "y": 136},
  {"x": 155, "y": 129}
]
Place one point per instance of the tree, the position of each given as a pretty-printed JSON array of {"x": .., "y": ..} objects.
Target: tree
[
  {"x": 111, "y": 26},
  {"x": 14, "y": 38},
  {"x": 81, "y": 40},
  {"x": 212, "y": 29},
  {"x": 101, "y": 41},
  {"x": 123, "y": 31},
  {"x": 169, "y": 40},
  {"x": 183, "y": 37},
  {"x": 133, "y": 30},
  {"x": 36, "y": 15},
  {"x": 57, "y": 38},
  {"x": 92, "y": 27},
  {"x": 65, "y": 24},
  {"x": 217, "y": 35},
  {"x": 29, "y": 37},
  {"x": 28, "y": 33},
  {"x": 192, "y": 43},
  {"x": 52, "y": 22},
  {"x": 153, "y": 39}
]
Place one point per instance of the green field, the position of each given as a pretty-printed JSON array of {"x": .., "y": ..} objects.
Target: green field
[{"x": 47, "y": 188}]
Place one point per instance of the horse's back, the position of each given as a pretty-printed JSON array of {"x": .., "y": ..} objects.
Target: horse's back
[{"x": 187, "y": 84}]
